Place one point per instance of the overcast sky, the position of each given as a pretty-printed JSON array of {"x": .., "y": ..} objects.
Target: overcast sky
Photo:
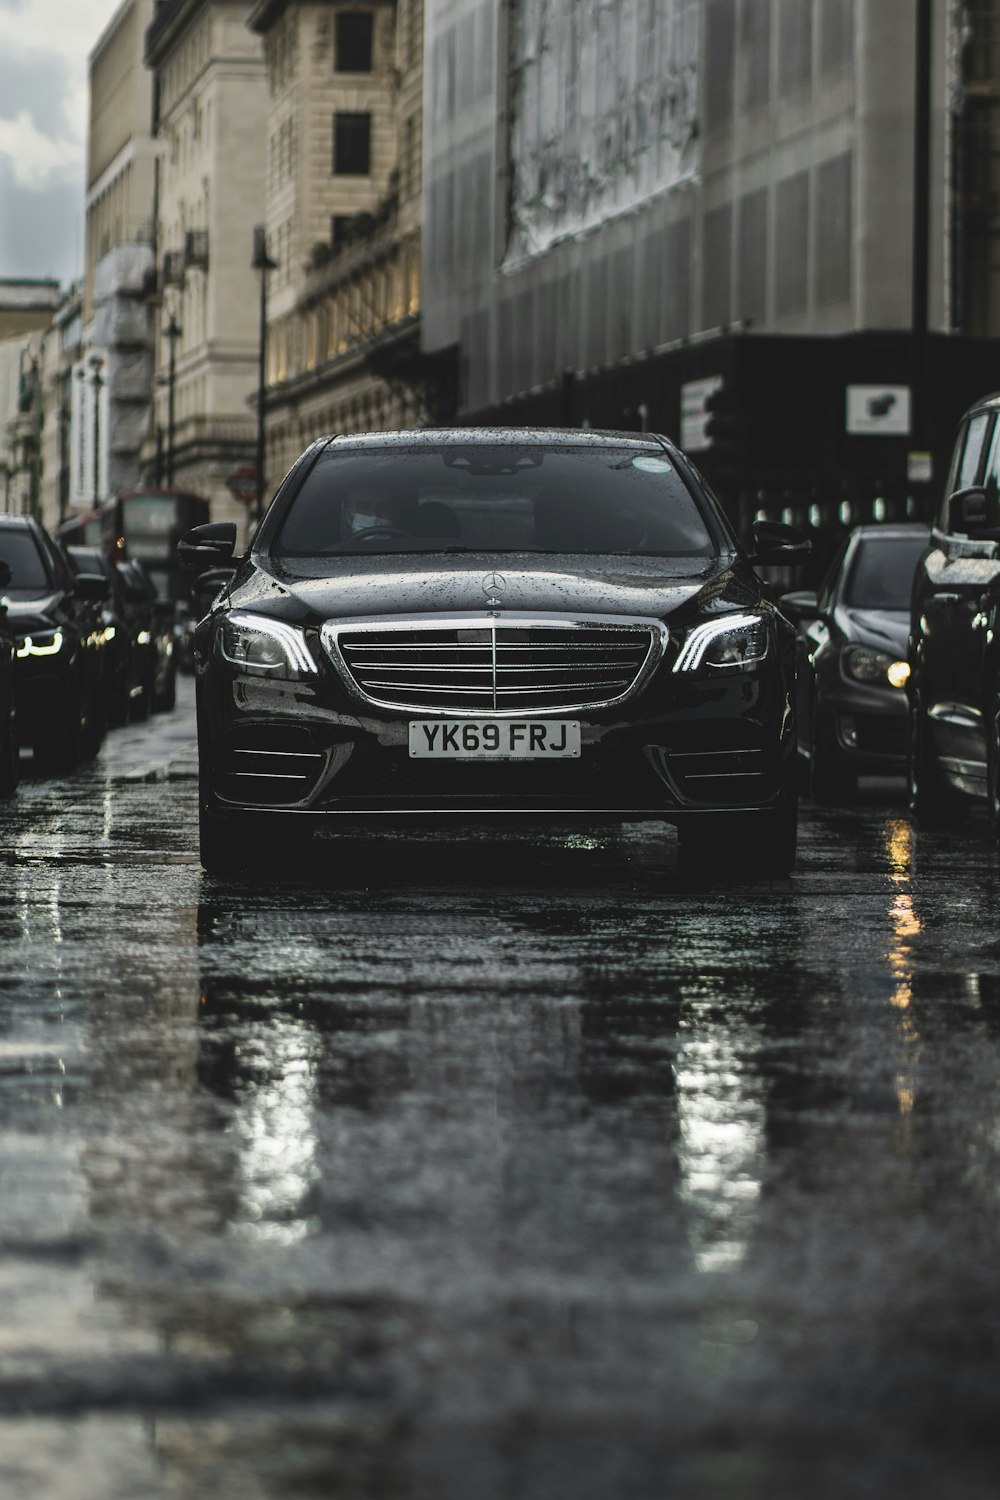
[{"x": 44, "y": 46}]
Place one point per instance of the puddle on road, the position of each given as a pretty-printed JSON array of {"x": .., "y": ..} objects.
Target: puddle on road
[{"x": 503, "y": 1170}]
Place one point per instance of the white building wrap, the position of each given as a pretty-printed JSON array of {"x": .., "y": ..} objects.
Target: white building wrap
[
  {"x": 602, "y": 102},
  {"x": 89, "y": 430}
]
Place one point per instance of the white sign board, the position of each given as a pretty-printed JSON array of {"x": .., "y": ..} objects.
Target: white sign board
[
  {"x": 878, "y": 410},
  {"x": 694, "y": 413},
  {"x": 88, "y": 431}
]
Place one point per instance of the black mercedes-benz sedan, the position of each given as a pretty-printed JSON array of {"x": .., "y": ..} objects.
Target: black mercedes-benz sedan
[{"x": 467, "y": 626}]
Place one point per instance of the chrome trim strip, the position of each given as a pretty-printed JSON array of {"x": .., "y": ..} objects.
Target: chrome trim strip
[
  {"x": 283, "y": 754},
  {"x": 956, "y": 713},
  {"x": 655, "y": 631}
]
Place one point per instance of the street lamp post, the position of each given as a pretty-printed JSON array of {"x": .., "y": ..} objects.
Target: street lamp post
[
  {"x": 172, "y": 332},
  {"x": 97, "y": 382},
  {"x": 263, "y": 263}
]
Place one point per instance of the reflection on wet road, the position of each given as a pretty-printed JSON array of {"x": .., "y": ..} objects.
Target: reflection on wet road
[{"x": 508, "y": 1170}]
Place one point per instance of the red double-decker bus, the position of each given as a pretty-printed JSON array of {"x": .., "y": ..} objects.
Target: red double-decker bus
[{"x": 144, "y": 524}]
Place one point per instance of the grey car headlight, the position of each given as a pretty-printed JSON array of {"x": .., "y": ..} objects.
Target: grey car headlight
[
  {"x": 730, "y": 643},
  {"x": 258, "y": 644},
  {"x": 865, "y": 664}
]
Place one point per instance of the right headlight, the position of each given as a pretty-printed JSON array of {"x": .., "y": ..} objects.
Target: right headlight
[
  {"x": 258, "y": 644},
  {"x": 730, "y": 643}
]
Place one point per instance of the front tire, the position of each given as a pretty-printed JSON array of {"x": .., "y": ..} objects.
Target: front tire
[
  {"x": 830, "y": 781},
  {"x": 744, "y": 846},
  {"x": 246, "y": 846},
  {"x": 933, "y": 803},
  {"x": 10, "y": 769}
]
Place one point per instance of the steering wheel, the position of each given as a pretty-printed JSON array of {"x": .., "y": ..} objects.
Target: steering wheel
[{"x": 369, "y": 533}]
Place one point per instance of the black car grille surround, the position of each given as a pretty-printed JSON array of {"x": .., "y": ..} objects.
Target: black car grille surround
[
  {"x": 483, "y": 666},
  {"x": 266, "y": 765}
]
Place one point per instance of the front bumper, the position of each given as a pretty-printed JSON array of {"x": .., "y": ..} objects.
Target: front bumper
[
  {"x": 682, "y": 749},
  {"x": 867, "y": 727}
]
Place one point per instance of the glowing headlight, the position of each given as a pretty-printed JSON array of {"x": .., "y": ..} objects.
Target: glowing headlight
[
  {"x": 865, "y": 664},
  {"x": 733, "y": 641},
  {"x": 263, "y": 645},
  {"x": 50, "y": 643}
]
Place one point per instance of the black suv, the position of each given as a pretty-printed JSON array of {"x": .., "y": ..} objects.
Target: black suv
[
  {"x": 954, "y": 647},
  {"x": 59, "y": 669}
]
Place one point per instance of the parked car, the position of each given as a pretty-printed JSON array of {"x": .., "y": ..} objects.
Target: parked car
[
  {"x": 852, "y": 660},
  {"x": 58, "y": 666},
  {"x": 151, "y": 625},
  {"x": 954, "y": 688},
  {"x": 474, "y": 625},
  {"x": 124, "y": 664},
  {"x": 10, "y": 756}
]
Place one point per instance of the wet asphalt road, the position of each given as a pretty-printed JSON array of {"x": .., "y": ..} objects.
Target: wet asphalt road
[{"x": 512, "y": 1170}]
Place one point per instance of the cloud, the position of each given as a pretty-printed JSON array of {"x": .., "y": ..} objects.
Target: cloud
[
  {"x": 44, "y": 51},
  {"x": 41, "y": 227},
  {"x": 37, "y": 85}
]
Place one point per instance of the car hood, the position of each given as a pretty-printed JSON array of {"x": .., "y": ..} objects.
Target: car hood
[
  {"x": 339, "y": 588},
  {"x": 26, "y": 615},
  {"x": 882, "y": 629}
]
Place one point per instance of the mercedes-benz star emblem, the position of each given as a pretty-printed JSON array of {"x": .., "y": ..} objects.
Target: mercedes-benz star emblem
[{"x": 493, "y": 587}]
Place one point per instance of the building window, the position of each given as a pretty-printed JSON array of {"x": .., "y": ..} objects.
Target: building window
[
  {"x": 352, "y": 144},
  {"x": 354, "y": 42}
]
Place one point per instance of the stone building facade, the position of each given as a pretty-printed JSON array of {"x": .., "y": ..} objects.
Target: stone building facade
[
  {"x": 121, "y": 155},
  {"x": 209, "y": 82},
  {"x": 27, "y": 308},
  {"x": 343, "y": 218}
]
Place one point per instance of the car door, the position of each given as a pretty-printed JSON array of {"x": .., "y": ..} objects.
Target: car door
[
  {"x": 812, "y": 640},
  {"x": 948, "y": 638}
]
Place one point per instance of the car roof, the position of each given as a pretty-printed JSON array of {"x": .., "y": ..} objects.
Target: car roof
[
  {"x": 555, "y": 437},
  {"x": 992, "y": 401}
]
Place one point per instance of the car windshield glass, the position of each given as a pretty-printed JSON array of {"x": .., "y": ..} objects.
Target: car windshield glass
[
  {"x": 487, "y": 498},
  {"x": 27, "y": 566},
  {"x": 882, "y": 574}
]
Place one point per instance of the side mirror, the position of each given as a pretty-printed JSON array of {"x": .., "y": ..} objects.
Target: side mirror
[
  {"x": 208, "y": 546},
  {"x": 772, "y": 542},
  {"x": 800, "y": 606},
  {"x": 206, "y": 587},
  {"x": 93, "y": 587},
  {"x": 968, "y": 514}
]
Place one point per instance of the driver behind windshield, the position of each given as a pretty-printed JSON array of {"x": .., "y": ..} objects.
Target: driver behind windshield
[{"x": 368, "y": 511}]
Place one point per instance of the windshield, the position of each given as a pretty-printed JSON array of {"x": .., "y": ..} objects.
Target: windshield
[
  {"x": 27, "y": 566},
  {"x": 882, "y": 573},
  {"x": 497, "y": 498}
]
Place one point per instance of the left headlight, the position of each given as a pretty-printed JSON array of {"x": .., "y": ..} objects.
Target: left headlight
[
  {"x": 42, "y": 643},
  {"x": 732, "y": 642},
  {"x": 258, "y": 644},
  {"x": 865, "y": 664}
]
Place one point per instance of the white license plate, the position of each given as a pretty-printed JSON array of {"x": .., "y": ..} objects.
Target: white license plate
[{"x": 494, "y": 739}]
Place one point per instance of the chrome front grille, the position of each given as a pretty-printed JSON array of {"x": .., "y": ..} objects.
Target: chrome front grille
[{"x": 479, "y": 665}]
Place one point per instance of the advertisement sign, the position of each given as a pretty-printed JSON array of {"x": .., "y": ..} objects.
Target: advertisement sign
[{"x": 878, "y": 410}]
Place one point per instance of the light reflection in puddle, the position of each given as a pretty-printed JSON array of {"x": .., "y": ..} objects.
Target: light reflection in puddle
[
  {"x": 905, "y": 925},
  {"x": 278, "y": 1137},
  {"x": 721, "y": 1116}
]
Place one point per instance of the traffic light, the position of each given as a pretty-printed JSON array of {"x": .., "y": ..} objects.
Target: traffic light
[{"x": 721, "y": 429}]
